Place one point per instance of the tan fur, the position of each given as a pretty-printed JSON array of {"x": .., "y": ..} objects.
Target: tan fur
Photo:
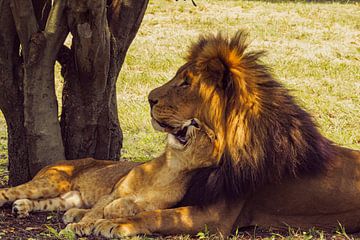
[
  {"x": 66, "y": 184},
  {"x": 121, "y": 188},
  {"x": 158, "y": 184},
  {"x": 274, "y": 168},
  {"x": 22, "y": 207}
]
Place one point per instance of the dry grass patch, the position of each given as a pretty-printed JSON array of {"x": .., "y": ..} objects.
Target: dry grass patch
[{"x": 314, "y": 49}]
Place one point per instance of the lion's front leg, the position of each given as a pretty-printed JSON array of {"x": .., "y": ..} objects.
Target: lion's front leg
[
  {"x": 184, "y": 220},
  {"x": 122, "y": 207}
]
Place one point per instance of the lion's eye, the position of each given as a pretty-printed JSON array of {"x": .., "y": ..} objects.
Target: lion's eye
[{"x": 186, "y": 82}]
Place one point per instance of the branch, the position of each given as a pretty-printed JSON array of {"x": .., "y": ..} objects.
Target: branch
[
  {"x": 124, "y": 20},
  {"x": 25, "y": 21},
  {"x": 33, "y": 42},
  {"x": 55, "y": 16},
  {"x": 193, "y": 2},
  {"x": 56, "y": 29},
  {"x": 89, "y": 27}
]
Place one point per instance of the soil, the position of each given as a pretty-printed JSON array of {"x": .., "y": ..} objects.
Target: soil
[{"x": 36, "y": 226}]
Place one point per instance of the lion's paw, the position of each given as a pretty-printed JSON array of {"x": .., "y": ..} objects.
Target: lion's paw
[
  {"x": 105, "y": 228},
  {"x": 74, "y": 215},
  {"x": 113, "y": 229},
  {"x": 81, "y": 228},
  {"x": 121, "y": 208},
  {"x": 22, "y": 207}
]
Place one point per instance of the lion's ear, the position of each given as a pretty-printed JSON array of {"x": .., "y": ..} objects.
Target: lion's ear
[{"x": 218, "y": 72}]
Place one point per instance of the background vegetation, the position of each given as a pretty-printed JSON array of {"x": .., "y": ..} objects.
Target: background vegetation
[{"x": 313, "y": 48}]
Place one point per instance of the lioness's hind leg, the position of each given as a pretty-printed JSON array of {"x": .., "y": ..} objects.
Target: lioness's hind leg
[
  {"x": 23, "y": 207},
  {"x": 35, "y": 189}
]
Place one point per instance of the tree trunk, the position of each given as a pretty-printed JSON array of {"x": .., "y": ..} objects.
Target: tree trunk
[
  {"x": 89, "y": 120},
  {"x": 102, "y": 32},
  {"x": 39, "y": 49},
  {"x": 11, "y": 96}
]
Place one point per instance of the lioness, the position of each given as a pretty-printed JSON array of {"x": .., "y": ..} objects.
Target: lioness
[{"x": 157, "y": 184}]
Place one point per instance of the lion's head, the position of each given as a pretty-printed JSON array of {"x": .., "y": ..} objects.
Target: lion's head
[{"x": 262, "y": 134}]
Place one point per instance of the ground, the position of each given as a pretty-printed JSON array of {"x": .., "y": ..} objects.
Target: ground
[{"x": 313, "y": 48}]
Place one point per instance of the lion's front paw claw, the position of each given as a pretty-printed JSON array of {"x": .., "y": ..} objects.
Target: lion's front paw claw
[
  {"x": 81, "y": 228},
  {"x": 110, "y": 228},
  {"x": 104, "y": 227},
  {"x": 22, "y": 207}
]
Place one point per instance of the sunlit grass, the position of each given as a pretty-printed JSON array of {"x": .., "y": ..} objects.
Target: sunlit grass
[
  {"x": 3, "y": 151},
  {"x": 313, "y": 49}
]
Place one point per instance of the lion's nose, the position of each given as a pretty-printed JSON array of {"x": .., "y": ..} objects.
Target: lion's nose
[{"x": 152, "y": 102}]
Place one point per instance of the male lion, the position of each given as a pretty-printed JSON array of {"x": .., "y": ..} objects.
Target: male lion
[
  {"x": 157, "y": 184},
  {"x": 274, "y": 168}
]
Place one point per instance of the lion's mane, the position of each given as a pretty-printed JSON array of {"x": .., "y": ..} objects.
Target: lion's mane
[{"x": 265, "y": 136}]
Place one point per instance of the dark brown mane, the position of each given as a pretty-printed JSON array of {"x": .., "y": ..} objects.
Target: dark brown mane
[{"x": 267, "y": 136}]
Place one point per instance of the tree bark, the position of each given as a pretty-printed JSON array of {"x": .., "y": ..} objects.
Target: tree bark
[
  {"x": 102, "y": 33},
  {"x": 101, "y": 37},
  {"x": 39, "y": 48},
  {"x": 11, "y": 96}
]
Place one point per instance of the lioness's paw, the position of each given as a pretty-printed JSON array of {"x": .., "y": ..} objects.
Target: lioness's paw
[
  {"x": 22, "y": 207},
  {"x": 81, "y": 228},
  {"x": 74, "y": 215},
  {"x": 114, "y": 229}
]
